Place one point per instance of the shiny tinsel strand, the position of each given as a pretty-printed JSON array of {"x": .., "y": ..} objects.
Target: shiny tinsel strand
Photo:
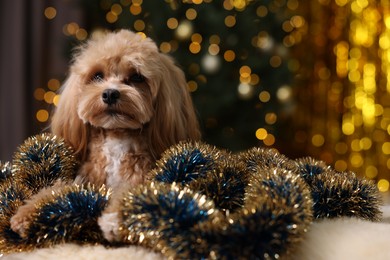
[
  {"x": 187, "y": 161},
  {"x": 5, "y": 171},
  {"x": 225, "y": 186},
  {"x": 42, "y": 159},
  {"x": 338, "y": 194},
  {"x": 309, "y": 168},
  {"x": 265, "y": 158},
  {"x": 69, "y": 215},
  {"x": 276, "y": 214},
  {"x": 159, "y": 216},
  {"x": 12, "y": 195}
]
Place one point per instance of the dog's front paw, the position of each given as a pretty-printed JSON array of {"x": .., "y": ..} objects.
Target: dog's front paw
[
  {"x": 109, "y": 224},
  {"x": 22, "y": 219}
]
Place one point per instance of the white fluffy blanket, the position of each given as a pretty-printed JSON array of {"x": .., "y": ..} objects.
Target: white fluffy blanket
[{"x": 329, "y": 239}]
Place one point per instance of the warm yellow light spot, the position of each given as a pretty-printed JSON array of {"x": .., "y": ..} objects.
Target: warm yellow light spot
[
  {"x": 355, "y": 145},
  {"x": 287, "y": 26},
  {"x": 39, "y": 94},
  {"x": 213, "y": 49},
  {"x": 191, "y": 14},
  {"x": 275, "y": 61},
  {"x": 165, "y": 47},
  {"x": 227, "y": 5},
  {"x": 229, "y": 55},
  {"x": 354, "y": 76},
  {"x": 196, "y": 37},
  {"x": 386, "y": 148},
  {"x": 53, "y": 84},
  {"x": 172, "y": 23},
  {"x": 269, "y": 140},
  {"x": 81, "y": 34},
  {"x": 71, "y": 28},
  {"x": 292, "y": 4},
  {"x": 261, "y": 11},
  {"x": 137, "y": 2},
  {"x": 197, "y": 2},
  {"x": 139, "y": 25},
  {"x": 142, "y": 34},
  {"x": 341, "y": 2},
  {"x": 284, "y": 93},
  {"x": 42, "y": 115},
  {"x": 384, "y": 42},
  {"x": 264, "y": 96},
  {"x": 297, "y": 21},
  {"x": 184, "y": 30},
  {"x": 135, "y": 9},
  {"x": 261, "y": 133},
  {"x": 230, "y": 21},
  {"x": 365, "y": 143},
  {"x": 49, "y": 96},
  {"x": 255, "y": 79},
  {"x": 239, "y": 4},
  {"x": 371, "y": 172},
  {"x": 192, "y": 86},
  {"x": 214, "y": 39},
  {"x": 245, "y": 90},
  {"x": 356, "y": 160},
  {"x": 383, "y": 185},
  {"x": 271, "y": 118},
  {"x": 194, "y": 47},
  {"x": 348, "y": 128},
  {"x": 245, "y": 71},
  {"x": 340, "y": 165},
  {"x": 116, "y": 9},
  {"x": 56, "y": 99},
  {"x": 318, "y": 140},
  {"x": 111, "y": 17},
  {"x": 50, "y": 13}
]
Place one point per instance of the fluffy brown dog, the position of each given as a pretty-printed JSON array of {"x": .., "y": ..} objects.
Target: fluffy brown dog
[{"x": 123, "y": 104}]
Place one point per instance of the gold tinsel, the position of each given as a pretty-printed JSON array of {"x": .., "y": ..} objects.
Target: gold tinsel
[
  {"x": 265, "y": 158},
  {"x": 68, "y": 214},
  {"x": 155, "y": 212},
  {"x": 43, "y": 159}
]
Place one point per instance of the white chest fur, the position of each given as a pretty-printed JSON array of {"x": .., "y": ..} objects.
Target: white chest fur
[{"x": 115, "y": 150}]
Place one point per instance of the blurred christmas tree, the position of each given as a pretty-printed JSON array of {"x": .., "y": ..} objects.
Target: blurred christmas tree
[{"x": 234, "y": 54}]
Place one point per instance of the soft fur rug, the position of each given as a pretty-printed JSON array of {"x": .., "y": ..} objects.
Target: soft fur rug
[{"x": 329, "y": 239}]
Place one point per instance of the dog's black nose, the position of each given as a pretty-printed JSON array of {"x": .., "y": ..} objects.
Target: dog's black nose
[{"x": 110, "y": 96}]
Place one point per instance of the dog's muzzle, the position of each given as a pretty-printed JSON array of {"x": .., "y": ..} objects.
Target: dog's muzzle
[{"x": 110, "y": 96}]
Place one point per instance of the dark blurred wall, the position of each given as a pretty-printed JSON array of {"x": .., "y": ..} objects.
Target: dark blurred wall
[{"x": 31, "y": 52}]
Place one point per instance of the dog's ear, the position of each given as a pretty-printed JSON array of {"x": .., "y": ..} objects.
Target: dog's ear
[
  {"x": 175, "y": 118},
  {"x": 65, "y": 121}
]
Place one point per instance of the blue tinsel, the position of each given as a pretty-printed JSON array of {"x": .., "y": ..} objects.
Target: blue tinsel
[
  {"x": 185, "y": 167},
  {"x": 69, "y": 216}
]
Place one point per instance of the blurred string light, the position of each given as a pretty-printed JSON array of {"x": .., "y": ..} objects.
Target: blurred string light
[{"x": 345, "y": 110}]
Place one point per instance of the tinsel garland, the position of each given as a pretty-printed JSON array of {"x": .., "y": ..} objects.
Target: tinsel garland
[
  {"x": 68, "y": 215},
  {"x": 337, "y": 194},
  {"x": 186, "y": 162},
  {"x": 5, "y": 171},
  {"x": 12, "y": 196},
  {"x": 43, "y": 159},
  {"x": 201, "y": 202}
]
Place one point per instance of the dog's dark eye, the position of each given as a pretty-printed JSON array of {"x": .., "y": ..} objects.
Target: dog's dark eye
[
  {"x": 135, "y": 78},
  {"x": 98, "y": 76}
]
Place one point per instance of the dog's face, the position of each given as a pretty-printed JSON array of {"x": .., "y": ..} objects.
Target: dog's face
[
  {"x": 121, "y": 81},
  {"x": 116, "y": 75},
  {"x": 115, "y": 95}
]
